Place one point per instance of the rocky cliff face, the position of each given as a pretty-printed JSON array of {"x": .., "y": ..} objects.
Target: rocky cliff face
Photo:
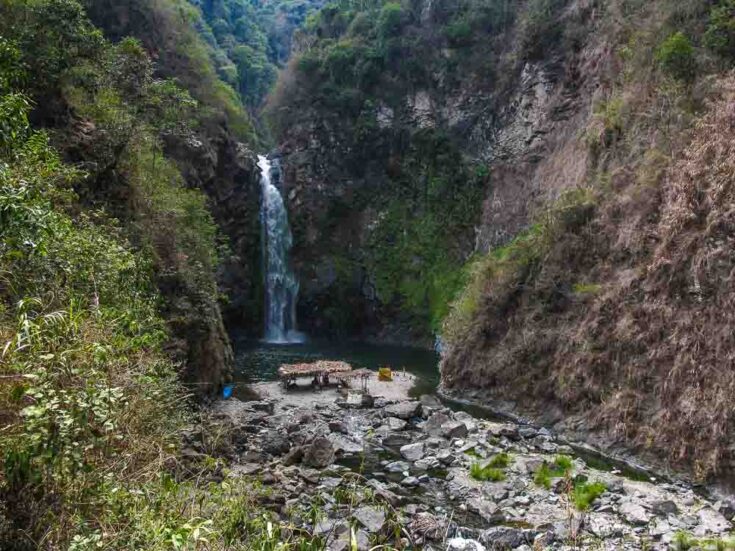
[
  {"x": 227, "y": 172},
  {"x": 505, "y": 137}
]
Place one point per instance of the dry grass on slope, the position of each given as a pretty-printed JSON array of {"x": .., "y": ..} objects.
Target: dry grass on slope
[{"x": 628, "y": 318}]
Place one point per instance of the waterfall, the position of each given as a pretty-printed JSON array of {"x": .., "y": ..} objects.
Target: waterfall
[{"x": 281, "y": 285}]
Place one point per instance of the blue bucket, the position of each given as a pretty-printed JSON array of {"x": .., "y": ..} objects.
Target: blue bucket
[{"x": 227, "y": 391}]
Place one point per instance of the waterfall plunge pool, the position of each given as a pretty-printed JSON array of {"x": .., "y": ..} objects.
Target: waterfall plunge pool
[{"x": 257, "y": 361}]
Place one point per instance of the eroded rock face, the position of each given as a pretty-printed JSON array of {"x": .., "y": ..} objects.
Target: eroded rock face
[{"x": 340, "y": 181}]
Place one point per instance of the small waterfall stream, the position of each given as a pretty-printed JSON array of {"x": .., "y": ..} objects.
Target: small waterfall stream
[{"x": 281, "y": 285}]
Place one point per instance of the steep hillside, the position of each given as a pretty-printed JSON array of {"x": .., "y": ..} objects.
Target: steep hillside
[
  {"x": 525, "y": 159},
  {"x": 121, "y": 177},
  {"x": 252, "y": 40},
  {"x": 209, "y": 153},
  {"x": 606, "y": 316}
]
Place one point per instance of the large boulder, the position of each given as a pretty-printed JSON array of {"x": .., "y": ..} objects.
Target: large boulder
[
  {"x": 413, "y": 452},
  {"x": 404, "y": 410},
  {"x": 320, "y": 453},
  {"x": 275, "y": 443},
  {"x": 433, "y": 425},
  {"x": 371, "y": 517}
]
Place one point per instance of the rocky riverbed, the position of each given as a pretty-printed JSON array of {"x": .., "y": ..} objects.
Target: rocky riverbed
[{"x": 413, "y": 474}]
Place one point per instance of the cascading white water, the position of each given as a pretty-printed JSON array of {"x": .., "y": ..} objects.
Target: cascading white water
[{"x": 281, "y": 285}]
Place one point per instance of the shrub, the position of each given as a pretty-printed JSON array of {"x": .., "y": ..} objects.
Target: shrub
[
  {"x": 501, "y": 460},
  {"x": 675, "y": 56},
  {"x": 483, "y": 473},
  {"x": 584, "y": 494},
  {"x": 539, "y": 28},
  {"x": 390, "y": 19},
  {"x": 560, "y": 467},
  {"x": 459, "y": 33},
  {"x": 720, "y": 33},
  {"x": 496, "y": 275}
]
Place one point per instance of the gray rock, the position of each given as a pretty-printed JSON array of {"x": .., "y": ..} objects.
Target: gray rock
[
  {"x": 331, "y": 526},
  {"x": 384, "y": 493},
  {"x": 394, "y": 423},
  {"x": 404, "y": 410},
  {"x": 413, "y": 452},
  {"x": 527, "y": 431},
  {"x": 275, "y": 443},
  {"x": 488, "y": 510},
  {"x": 507, "y": 431},
  {"x": 252, "y": 456},
  {"x": 344, "y": 444},
  {"x": 320, "y": 453},
  {"x": 454, "y": 429},
  {"x": 469, "y": 421},
  {"x": 504, "y": 537},
  {"x": 433, "y": 425},
  {"x": 430, "y": 400},
  {"x": 634, "y": 513},
  {"x": 446, "y": 457},
  {"x": 245, "y": 469},
  {"x": 294, "y": 456},
  {"x": 338, "y": 426},
  {"x": 330, "y": 482},
  {"x": 397, "y": 467},
  {"x": 664, "y": 508},
  {"x": 410, "y": 481},
  {"x": 268, "y": 407},
  {"x": 658, "y": 528},
  {"x": 372, "y": 518},
  {"x": 604, "y": 525},
  {"x": 395, "y": 440},
  {"x": 427, "y": 463},
  {"x": 343, "y": 542},
  {"x": 711, "y": 522},
  {"x": 462, "y": 544}
]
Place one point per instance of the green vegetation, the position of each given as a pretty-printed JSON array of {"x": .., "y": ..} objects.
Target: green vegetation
[
  {"x": 496, "y": 275},
  {"x": 683, "y": 541},
  {"x": 493, "y": 470},
  {"x": 91, "y": 400},
  {"x": 585, "y": 493},
  {"x": 540, "y": 28},
  {"x": 586, "y": 289},
  {"x": 500, "y": 461},
  {"x": 720, "y": 33},
  {"x": 485, "y": 472},
  {"x": 251, "y": 40},
  {"x": 676, "y": 57},
  {"x": 559, "y": 468}
]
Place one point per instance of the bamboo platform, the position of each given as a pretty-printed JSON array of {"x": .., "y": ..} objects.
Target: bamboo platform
[{"x": 320, "y": 371}]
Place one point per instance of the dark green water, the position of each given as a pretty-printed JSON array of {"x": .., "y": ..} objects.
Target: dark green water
[{"x": 256, "y": 361}]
